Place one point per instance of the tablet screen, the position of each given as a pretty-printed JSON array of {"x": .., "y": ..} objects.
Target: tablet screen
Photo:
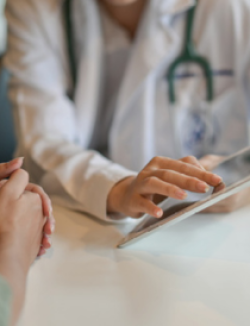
[{"x": 233, "y": 170}]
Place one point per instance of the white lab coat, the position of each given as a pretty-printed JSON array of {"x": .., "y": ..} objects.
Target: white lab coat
[{"x": 54, "y": 133}]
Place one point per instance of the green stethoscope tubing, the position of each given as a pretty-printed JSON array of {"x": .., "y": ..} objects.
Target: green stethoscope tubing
[
  {"x": 189, "y": 55},
  {"x": 69, "y": 29}
]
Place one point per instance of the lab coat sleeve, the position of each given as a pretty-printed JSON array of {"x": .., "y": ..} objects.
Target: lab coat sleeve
[{"x": 44, "y": 115}]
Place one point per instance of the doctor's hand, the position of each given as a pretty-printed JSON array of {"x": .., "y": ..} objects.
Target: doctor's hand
[
  {"x": 209, "y": 162},
  {"x": 231, "y": 203},
  {"x": 164, "y": 177},
  {"x": 6, "y": 169}
]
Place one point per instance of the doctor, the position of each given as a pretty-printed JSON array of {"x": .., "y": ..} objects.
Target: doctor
[{"x": 85, "y": 143}]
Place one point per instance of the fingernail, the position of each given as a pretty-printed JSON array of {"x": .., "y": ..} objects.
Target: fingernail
[
  {"x": 41, "y": 252},
  {"x": 202, "y": 186},
  {"x": 181, "y": 194},
  {"x": 48, "y": 239},
  {"x": 216, "y": 179},
  {"x": 16, "y": 160},
  {"x": 159, "y": 213},
  {"x": 52, "y": 228}
]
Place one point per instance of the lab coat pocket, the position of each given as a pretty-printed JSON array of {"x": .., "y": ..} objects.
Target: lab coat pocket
[
  {"x": 230, "y": 121},
  {"x": 218, "y": 127},
  {"x": 192, "y": 128}
]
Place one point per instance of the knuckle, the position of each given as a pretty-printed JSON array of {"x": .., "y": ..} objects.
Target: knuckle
[
  {"x": 148, "y": 182},
  {"x": 166, "y": 175},
  {"x": 184, "y": 168},
  {"x": 190, "y": 183},
  {"x": 156, "y": 160},
  {"x": 151, "y": 181},
  {"x": 189, "y": 159},
  {"x": 168, "y": 189},
  {"x": 203, "y": 175},
  {"x": 37, "y": 198},
  {"x": 23, "y": 173},
  {"x": 141, "y": 203},
  {"x": 143, "y": 174},
  {"x": 39, "y": 189},
  {"x": 192, "y": 159},
  {"x": 171, "y": 190}
]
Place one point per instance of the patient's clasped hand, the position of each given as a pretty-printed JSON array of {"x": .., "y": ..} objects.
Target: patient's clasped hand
[{"x": 26, "y": 223}]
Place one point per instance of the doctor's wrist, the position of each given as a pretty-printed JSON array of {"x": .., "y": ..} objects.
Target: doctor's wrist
[{"x": 115, "y": 201}]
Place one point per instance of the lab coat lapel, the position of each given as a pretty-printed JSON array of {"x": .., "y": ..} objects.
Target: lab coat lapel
[
  {"x": 157, "y": 39},
  {"x": 156, "y": 46},
  {"x": 90, "y": 52},
  {"x": 53, "y": 23},
  {"x": 173, "y": 7}
]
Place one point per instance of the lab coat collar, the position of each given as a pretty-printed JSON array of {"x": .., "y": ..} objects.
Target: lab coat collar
[
  {"x": 171, "y": 7},
  {"x": 159, "y": 22},
  {"x": 174, "y": 7},
  {"x": 157, "y": 45},
  {"x": 157, "y": 37}
]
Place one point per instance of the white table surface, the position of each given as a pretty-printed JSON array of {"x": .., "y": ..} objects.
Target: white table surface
[{"x": 194, "y": 273}]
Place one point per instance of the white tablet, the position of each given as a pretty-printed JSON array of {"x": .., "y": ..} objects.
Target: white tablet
[{"x": 235, "y": 171}]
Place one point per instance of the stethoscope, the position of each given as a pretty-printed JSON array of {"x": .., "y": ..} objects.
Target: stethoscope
[
  {"x": 188, "y": 55},
  {"x": 70, "y": 33}
]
